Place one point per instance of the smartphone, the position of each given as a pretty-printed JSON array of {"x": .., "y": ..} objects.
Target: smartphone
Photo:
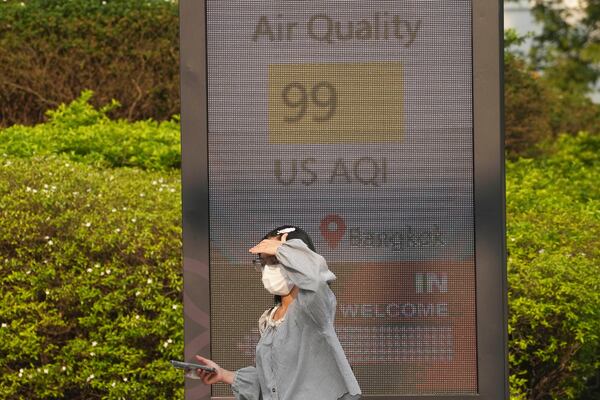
[{"x": 188, "y": 366}]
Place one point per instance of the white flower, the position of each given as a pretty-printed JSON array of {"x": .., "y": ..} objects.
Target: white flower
[
  {"x": 117, "y": 230},
  {"x": 541, "y": 251},
  {"x": 20, "y": 373},
  {"x": 171, "y": 190},
  {"x": 92, "y": 353},
  {"x": 89, "y": 378},
  {"x": 142, "y": 194},
  {"x": 114, "y": 210},
  {"x": 125, "y": 379},
  {"x": 89, "y": 190},
  {"x": 4, "y": 325},
  {"x": 94, "y": 343},
  {"x": 45, "y": 370},
  {"x": 97, "y": 265},
  {"x": 67, "y": 164},
  {"x": 28, "y": 272},
  {"x": 149, "y": 281},
  {"x": 50, "y": 242},
  {"x": 169, "y": 341},
  {"x": 165, "y": 344},
  {"x": 28, "y": 189},
  {"x": 64, "y": 368},
  {"x": 174, "y": 306},
  {"x": 133, "y": 219},
  {"x": 89, "y": 270},
  {"x": 138, "y": 293},
  {"x": 154, "y": 182},
  {"x": 47, "y": 292},
  {"x": 108, "y": 272},
  {"x": 88, "y": 224},
  {"x": 75, "y": 193},
  {"x": 102, "y": 273},
  {"x": 21, "y": 370},
  {"x": 53, "y": 187},
  {"x": 124, "y": 209},
  {"x": 160, "y": 190},
  {"x": 45, "y": 186},
  {"x": 137, "y": 316},
  {"x": 46, "y": 237},
  {"x": 113, "y": 384},
  {"x": 34, "y": 190},
  {"x": 110, "y": 177}
]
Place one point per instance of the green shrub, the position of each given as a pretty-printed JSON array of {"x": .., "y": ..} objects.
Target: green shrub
[
  {"x": 527, "y": 105},
  {"x": 535, "y": 111},
  {"x": 51, "y": 50},
  {"x": 86, "y": 134},
  {"x": 553, "y": 230},
  {"x": 91, "y": 277}
]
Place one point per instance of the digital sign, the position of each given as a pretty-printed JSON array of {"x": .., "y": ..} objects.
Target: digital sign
[{"x": 356, "y": 121}]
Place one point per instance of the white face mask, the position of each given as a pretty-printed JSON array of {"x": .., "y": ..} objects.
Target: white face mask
[{"x": 275, "y": 280}]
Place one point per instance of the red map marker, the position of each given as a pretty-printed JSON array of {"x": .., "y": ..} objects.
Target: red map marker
[{"x": 333, "y": 228}]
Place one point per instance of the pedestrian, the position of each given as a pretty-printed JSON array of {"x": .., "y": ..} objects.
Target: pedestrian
[{"x": 298, "y": 356}]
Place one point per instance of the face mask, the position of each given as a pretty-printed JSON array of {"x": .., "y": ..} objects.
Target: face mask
[{"x": 275, "y": 280}]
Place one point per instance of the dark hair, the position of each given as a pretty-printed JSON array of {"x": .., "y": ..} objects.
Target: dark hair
[{"x": 297, "y": 233}]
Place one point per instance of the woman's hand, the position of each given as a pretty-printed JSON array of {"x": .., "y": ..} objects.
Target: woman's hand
[
  {"x": 268, "y": 246},
  {"x": 220, "y": 374}
]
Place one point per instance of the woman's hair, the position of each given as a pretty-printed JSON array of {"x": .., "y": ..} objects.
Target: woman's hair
[{"x": 296, "y": 233}]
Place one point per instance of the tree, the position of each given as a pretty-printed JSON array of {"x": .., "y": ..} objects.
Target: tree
[{"x": 568, "y": 48}]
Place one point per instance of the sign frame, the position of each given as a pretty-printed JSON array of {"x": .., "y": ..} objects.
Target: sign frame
[{"x": 489, "y": 199}]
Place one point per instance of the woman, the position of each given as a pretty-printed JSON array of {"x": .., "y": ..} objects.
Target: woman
[{"x": 298, "y": 356}]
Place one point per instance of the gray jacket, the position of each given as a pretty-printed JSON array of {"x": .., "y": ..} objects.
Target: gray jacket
[{"x": 302, "y": 358}]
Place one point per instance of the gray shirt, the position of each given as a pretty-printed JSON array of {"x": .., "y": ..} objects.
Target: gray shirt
[{"x": 301, "y": 358}]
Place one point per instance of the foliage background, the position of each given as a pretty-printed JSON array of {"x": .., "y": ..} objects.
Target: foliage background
[
  {"x": 90, "y": 262},
  {"x": 90, "y": 204},
  {"x": 553, "y": 221},
  {"x": 51, "y": 50}
]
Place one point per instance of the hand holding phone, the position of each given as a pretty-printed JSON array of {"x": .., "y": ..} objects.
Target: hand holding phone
[{"x": 191, "y": 366}]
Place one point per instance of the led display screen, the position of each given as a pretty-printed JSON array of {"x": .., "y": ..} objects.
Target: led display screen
[{"x": 354, "y": 121}]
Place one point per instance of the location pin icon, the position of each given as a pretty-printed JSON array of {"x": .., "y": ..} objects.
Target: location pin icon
[{"x": 333, "y": 228}]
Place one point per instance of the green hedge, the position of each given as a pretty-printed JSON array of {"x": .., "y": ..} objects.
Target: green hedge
[
  {"x": 553, "y": 236},
  {"x": 51, "y": 50},
  {"x": 86, "y": 134},
  {"x": 91, "y": 277}
]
